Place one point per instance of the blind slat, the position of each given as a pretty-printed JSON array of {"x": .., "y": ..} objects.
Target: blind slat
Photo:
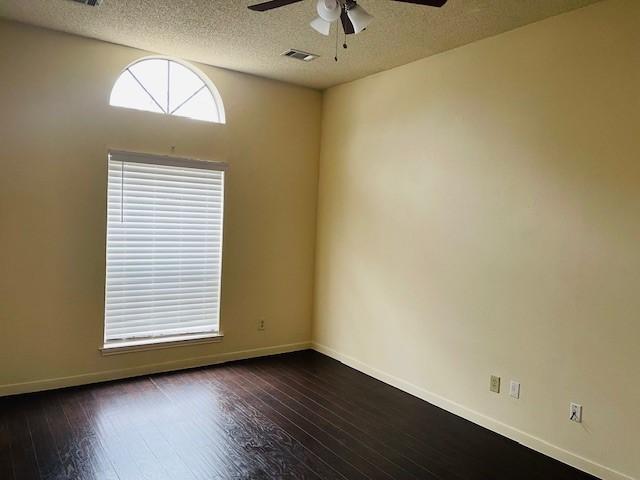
[
  {"x": 143, "y": 299},
  {"x": 150, "y": 333}
]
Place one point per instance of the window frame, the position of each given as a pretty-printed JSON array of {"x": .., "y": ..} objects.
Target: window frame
[
  {"x": 161, "y": 342},
  {"x": 217, "y": 98}
]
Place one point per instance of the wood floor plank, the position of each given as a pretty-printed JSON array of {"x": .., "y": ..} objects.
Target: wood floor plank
[
  {"x": 62, "y": 438},
  {"x": 478, "y": 444},
  {"x": 266, "y": 424},
  {"x": 395, "y": 460},
  {"x": 192, "y": 395},
  {"x": 431, "y": 456},
  {"x": 450, "y": 438},
  {"x": 23, "y": 456},
  {"x": 293, "y": 416},
  {"x": 350, "y": 441},
  {"x": 88, "y": 447},
  {"x": 259, "y": 437},
  {"x": 6, "y": 468},
  {"x": 123, "y": 443},
  {"x": 49, "y": 462},
  {"x": 342, "y": 469},
  {"x": 152, "y": 419},
  {"x": 315, "y": 426}
]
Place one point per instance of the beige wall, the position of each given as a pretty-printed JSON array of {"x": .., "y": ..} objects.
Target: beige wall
[
  {"x": 55, "y": 128},
  {"x": 479, "y": 213}
]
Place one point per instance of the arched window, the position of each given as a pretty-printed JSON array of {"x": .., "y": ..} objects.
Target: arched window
[{"x": 164, "y": 85}]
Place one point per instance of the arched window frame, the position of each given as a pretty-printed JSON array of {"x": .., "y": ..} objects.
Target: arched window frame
[{"x": 201, "y": 75}]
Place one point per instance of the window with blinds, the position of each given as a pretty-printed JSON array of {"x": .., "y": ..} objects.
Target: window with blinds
[{"x": 164, "y": 249}]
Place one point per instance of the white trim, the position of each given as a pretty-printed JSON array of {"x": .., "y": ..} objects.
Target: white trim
[
  {"x": 478, "y": 418},
  {"x": 162, "y": 159},
  {"x": 106, "y": 375},
  {"x": 127, "y": 346}
]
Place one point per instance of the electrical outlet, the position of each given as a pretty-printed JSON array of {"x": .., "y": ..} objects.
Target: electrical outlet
[
  {"x": 575, "y": 412},
  {"x": 514, "y": 389},
  {"x": 261, "y": 324},
  {"x": 494, "y": 386}
]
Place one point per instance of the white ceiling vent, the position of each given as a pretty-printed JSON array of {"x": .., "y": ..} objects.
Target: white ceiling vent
[
  {"x": 91, "y": 3},
  {"x": 299, "y": 55}
]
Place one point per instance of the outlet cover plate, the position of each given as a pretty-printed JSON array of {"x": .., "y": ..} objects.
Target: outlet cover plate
[{"x": 494, "y": 384}]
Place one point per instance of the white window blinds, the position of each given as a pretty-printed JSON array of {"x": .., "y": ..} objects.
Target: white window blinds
[{"x": 164, "y": 247}]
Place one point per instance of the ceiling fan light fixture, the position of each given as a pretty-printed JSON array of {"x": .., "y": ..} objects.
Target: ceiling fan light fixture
[
  {"x": 329, "y": 10},
  {"x": 321, "y": 26},
  {"x": 359, "y": 17}
]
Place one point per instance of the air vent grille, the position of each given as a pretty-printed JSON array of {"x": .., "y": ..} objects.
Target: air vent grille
[
  {"x": 91, "y": 3},
  {"x": 300, "y": 55}
]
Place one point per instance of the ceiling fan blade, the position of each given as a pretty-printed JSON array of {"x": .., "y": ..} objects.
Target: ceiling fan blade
[
  {"x": 427, "y": 3},
  {"x": 347, "y": 26},
  {"x": 263, "y": 7}
]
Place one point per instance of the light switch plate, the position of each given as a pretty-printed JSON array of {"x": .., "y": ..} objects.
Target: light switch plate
[
  {"x": 514, "y": 389},
  {"x": 575, "y": 412}
]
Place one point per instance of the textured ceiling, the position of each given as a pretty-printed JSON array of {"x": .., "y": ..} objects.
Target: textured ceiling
[{"x": 226, "y": 34}]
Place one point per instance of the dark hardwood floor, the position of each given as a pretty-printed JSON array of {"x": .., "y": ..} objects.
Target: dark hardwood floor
[{"x": 299, "y": 415}]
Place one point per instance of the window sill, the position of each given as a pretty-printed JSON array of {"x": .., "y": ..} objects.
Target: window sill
[{"x": 115, "y": 348}]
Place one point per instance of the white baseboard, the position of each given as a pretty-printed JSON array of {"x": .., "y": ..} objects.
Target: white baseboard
[
  {"x": 478, "y": 418},
  {"x": 86, "y": 378}
]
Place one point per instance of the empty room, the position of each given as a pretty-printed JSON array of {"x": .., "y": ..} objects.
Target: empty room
[{"x": 319, "y": 239}]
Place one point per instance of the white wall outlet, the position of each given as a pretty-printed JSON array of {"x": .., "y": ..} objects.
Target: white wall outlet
[
  {"x": 261, "y": 324},
  {"x": 514, "y": 389},
  {"x": 575, "y": 412},
  {"x": 494, "y": 384}
]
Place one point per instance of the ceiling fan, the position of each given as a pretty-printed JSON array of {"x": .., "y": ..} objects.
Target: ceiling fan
[{"x": 353, "y": 17}]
